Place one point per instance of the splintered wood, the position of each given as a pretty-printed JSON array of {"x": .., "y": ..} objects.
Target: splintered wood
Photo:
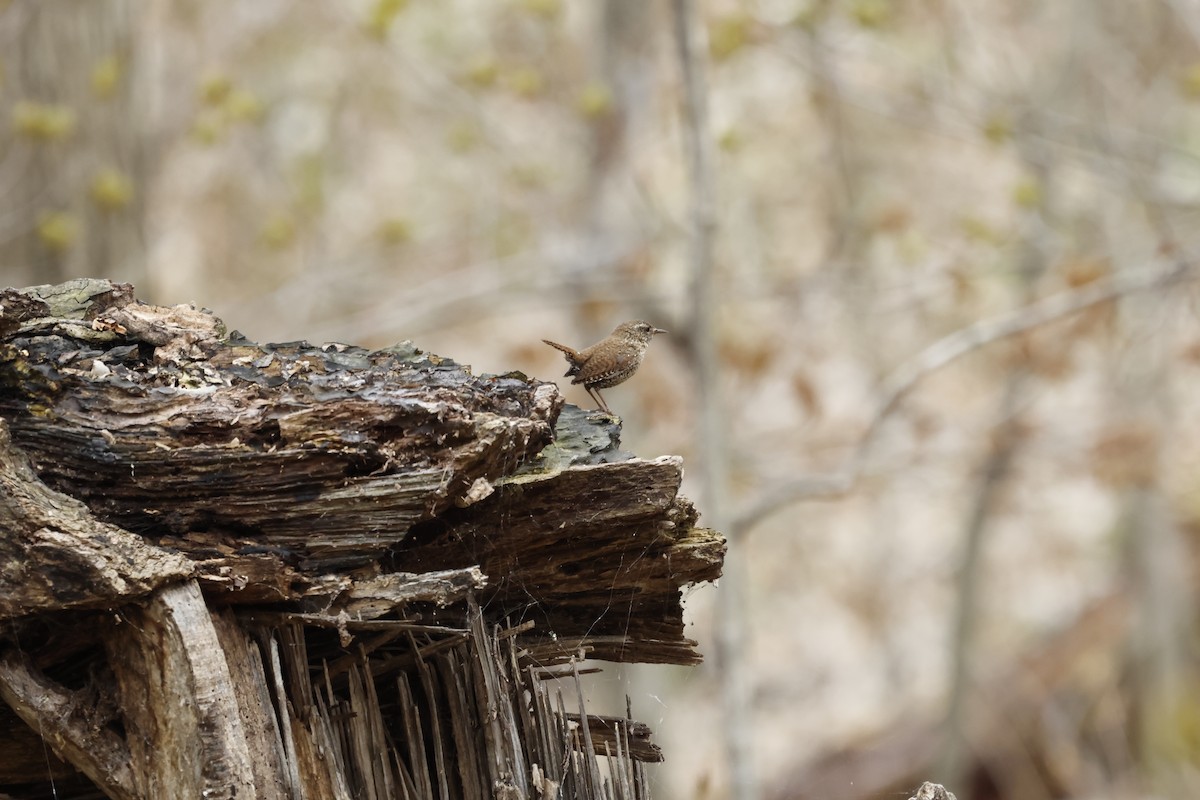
[
  {"x": 474, "y": 718},
  {"x": 283, "y": 571}
]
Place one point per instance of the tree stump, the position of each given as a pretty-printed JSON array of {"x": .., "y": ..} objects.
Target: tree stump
[{"x": 233, "y": 569}]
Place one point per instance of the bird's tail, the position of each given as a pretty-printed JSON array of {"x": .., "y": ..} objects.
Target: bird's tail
[{"x": 570, "y": 352}]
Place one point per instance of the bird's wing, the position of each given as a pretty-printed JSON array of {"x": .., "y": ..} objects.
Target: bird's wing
[{"x": 602, "y": 366}]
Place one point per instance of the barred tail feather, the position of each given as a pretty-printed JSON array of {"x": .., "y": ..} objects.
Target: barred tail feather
[{"x": 572, "y": 357}]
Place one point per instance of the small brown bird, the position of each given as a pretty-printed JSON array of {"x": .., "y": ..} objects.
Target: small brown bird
[{"x": 611, "y": 360}]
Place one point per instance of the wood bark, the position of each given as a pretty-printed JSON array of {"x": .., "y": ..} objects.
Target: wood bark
[
  {"x": 178, "y": 705},
  {"x": 66, "y": 557},
  {"x": 291, "y": 571}
]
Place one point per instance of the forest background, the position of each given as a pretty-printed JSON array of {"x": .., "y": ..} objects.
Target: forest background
[{"x": 928, "y": 269}]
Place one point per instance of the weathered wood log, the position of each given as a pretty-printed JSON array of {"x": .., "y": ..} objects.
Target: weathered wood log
[
  {"x": 598, "y": 549},
  {"x": 67, "y": 724},
  {"x": 181, "y": 717},
  {"x": 323, "y": 455},
  {"x": 57, "y": 555},
  {"x": 295, "y": 538}
]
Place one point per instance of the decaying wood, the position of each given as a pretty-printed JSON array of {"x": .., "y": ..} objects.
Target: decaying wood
[
  {"x": 320, "y": 571},
  {"x": 264, "y": 745},
  {"x": 63, "y": 720},
  {"x": 181, "y": 716},
  {"x": 57, "y": 555},
  {"x": 627, "y": 516}
]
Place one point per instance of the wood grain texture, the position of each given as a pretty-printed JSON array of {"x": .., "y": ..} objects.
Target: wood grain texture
[
  {"x": 597, "y": 554},
  {"x": 67, "y": 727},
  {"x": 325, "y": 455},
  {"x": 272, "y": 571},
  {"x": 181, "y": 714},
  {"x": 55, "y": 555}
]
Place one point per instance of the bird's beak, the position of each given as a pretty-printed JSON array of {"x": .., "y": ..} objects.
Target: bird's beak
[{"x": 659, "y": 330}]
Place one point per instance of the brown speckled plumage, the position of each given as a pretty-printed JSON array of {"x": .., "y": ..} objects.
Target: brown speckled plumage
[{"x": 611, "y": 360}]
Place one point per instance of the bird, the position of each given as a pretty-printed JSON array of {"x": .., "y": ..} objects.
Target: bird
[{"x": 610, "y": 361}]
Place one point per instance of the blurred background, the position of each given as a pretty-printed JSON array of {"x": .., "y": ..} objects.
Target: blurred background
[{"x": 927, "y": 268}]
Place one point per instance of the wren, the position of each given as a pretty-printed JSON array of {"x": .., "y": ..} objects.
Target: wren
[{"x": 610, "y": 361}]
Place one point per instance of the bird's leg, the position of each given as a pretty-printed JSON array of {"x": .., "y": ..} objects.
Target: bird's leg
[{"x": 595, "y": 393}]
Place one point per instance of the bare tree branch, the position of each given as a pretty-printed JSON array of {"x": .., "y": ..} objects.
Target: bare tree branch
[{"x": 941, "y": 353}]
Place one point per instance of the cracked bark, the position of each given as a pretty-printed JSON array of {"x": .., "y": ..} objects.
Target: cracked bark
[{"x": 224, "y": 544}]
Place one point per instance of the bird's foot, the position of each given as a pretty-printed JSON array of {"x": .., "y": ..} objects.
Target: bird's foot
[{"x": 602, "y": 414}]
